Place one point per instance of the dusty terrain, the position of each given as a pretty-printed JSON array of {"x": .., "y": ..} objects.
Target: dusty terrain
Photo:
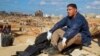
[{"x": 37, "y": 25}]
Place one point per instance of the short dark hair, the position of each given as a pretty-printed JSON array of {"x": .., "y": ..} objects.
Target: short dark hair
[{"x": 72, "y": 5}]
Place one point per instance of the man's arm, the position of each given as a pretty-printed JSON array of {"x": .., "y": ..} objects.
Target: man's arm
[
  {"x": 71, "y": 32},
  {"x": 59, "y": 24}
]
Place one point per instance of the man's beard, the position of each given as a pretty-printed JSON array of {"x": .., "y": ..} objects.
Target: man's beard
[{"x": 70, "y": 17}]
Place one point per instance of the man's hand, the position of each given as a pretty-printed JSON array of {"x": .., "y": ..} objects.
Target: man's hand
[
  {"x": 64, "y": 41},
  {"x": 49, "y": 34}
]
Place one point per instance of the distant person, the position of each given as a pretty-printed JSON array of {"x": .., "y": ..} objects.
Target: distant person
[
  {"x": 6, "y": 35},
  {"x": 72, "y": 29},
  {"x": 6, "y": 28}
]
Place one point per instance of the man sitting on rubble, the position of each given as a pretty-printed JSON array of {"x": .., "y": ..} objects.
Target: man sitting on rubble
[{"x": 72, "y": 29}]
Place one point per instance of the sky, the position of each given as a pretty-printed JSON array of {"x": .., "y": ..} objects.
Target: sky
[{"x": 56, "y": 7}]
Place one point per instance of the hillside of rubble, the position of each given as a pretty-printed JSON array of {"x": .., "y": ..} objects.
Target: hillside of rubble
[{"x": 25, "y": 28}]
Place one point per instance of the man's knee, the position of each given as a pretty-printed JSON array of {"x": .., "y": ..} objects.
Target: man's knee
[{"x": 60, "y": 32}]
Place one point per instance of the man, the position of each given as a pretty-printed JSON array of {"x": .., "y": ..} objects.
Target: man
[
  {"x": 72, "y": 29},
  {"x": 6, "y": 28}
]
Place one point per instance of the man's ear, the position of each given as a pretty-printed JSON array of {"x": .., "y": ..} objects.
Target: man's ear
[{"x": 75, "y": 10}]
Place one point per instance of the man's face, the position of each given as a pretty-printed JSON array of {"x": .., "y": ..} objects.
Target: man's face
[{"x": 71, "y": 11}]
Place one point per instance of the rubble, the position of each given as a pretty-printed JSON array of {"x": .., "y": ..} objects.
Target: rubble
[{"x": 33, "y": 26}]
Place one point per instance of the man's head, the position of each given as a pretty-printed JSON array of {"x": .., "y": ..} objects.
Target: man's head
[{"x": 71, "y": 9}]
